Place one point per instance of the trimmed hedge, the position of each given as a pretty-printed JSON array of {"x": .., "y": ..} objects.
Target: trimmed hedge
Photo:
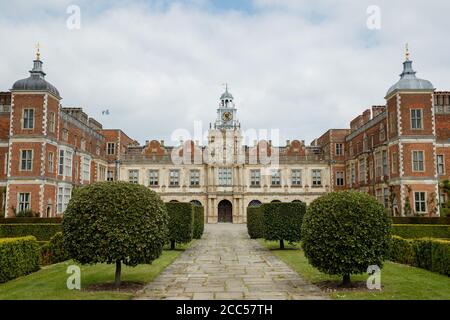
[
  {"x": 420, "y": 220},
  {"x": 18, "y": 257},
  {"x": 42, "y": 231},
  {"x": 199, "y": 222},
  {"x": 181, "y": 222},
  {"x": 413, "y": 231},
  {"x": 30, "y": 220},
  {"x": 283, "y": 221},
  {"x": 429, "y": 254},
  {"x": 53, "y": 251},
  {"x": 255, "y": 222}
]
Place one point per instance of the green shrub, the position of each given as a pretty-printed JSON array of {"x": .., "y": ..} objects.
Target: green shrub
[
  {"x": 413, "y": 231},
  {"x": 181, "y": 222},
  {"x": 255, "y": 222},
  {"x": 115, "y": 222},
  {"x": 283, "y": 221},
  {"x": 421, "y": 220},
  {"x": 27, "y": 213},
  {"x": 53, "y": 251},
  {"x": 199, "y": 222},
  {"x": 345, "y": 232},
  {"x": 42, "y": 231},
  {"x": 430, "y": 254},
  {"x": 18, "y": 257},
  {"x": 401, "y": 251}
]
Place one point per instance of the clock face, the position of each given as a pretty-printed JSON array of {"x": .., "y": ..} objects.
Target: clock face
[{"x": 227, "y": 116}]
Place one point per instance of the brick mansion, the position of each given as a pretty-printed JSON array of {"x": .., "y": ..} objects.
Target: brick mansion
[{"x": 398, "y": 152}]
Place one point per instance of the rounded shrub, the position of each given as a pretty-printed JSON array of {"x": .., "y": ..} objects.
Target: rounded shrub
[
  {"x": 54, "y": 251},
  {"x": 115, "y": 223},
  {"x": 181, "y": 222},
  {"x": 255, "y": 222},
  {"x": 345, "y": 232}
]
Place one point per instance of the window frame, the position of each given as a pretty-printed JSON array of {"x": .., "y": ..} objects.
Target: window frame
[
  {"x": 420, "y": 202},
  {"x": 20, "y": 207},
  {"x": 413, "y": 162},
  {"x": 27, "y": 161},
  {"x": 415, "y": 118},
  {"x": 27, "y": 110}
]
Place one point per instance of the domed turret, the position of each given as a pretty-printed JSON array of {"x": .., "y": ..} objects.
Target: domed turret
[
  {"x": 36, "y": 81},
  {"x": 408, "y": 80}
]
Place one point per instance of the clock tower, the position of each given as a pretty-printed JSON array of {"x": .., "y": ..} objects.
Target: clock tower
[{"x": 226, "y": 113}]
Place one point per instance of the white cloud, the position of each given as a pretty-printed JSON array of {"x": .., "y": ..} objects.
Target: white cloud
[{"x": 301, "y": 68}]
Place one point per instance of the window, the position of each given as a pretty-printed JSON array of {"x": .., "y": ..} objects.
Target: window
[
  {"x": 440, "y": 164},
  {"x": 28, "y": 118},
  {"x": 255, "y": 178},
  {"x": 153, "y": 178},
  {"x": 276, "y": 178},
  {"x": 416, "y": 119},
  {"x": 353, "y": 173},
  {"x": 133, "y": 176},
  {"x": 64, "y": 195},
  {"x": 420, "y": 203},
  {"x": 111, "y": 148},
  {"x": 24, "y": 202},
  {"x": 65, "y": 134},
  {"x": 339, "y": 178},
  {"x": 417, "y": 158},
  {"x": 225, "y": 176},
  {"x": 385, "y": 163},
  {"x": 394, "y": 162},
  {"x": 86, "y": 168},
  {"x": 194, "y": 178},
  {"x": 110, "y": 175},
  {"x": 65, "y": 163},
  {"x": 26, "y": 160},
  {"x": 51, "y": 122},
  {"x": 382, "y": 133},
  {"x": 316, "y": 178},
  {"x": 378, "y": 164},
  {"x": 296, "y": 175},
  {"x": 362, "y": 170},
  {"x": 101, "y": 173},
  {"x": 386, "y": 197},
  {"x": 75, "y": 170},
  {"x": 174, "y": 178},
  {"x": 50, "y": 161},
  {"x": 339, "y": 149}
]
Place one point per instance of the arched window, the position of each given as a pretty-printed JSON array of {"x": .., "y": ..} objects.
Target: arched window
[
  {"x": 255, "y": 203},
  {"x": 197, "y": 203}
]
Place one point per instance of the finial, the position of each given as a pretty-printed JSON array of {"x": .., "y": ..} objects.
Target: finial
[
  {"x": 407, "y": 52},
  {"x": 38, "y": 53}
]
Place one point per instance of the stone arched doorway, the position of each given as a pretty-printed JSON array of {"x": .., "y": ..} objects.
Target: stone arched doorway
[{"x": 225, "y": 213}]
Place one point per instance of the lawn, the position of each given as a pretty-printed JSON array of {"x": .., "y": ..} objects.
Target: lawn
[
  {"x": 49, "y": 283},
  {"x": 400, "y": 282}
]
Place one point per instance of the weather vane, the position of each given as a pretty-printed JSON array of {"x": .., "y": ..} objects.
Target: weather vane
[
  {"x": 407, "y": 51},
  {"x": 38, "y": 53},
  {"x": 226, "y": 86}
]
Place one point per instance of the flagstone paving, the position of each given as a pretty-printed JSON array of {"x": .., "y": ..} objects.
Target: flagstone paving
[{"x": 226, "y": 264}]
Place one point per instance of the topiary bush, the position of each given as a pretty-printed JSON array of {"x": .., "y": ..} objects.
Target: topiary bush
[
  {"x": 283, "y": 221},
  {"x": 115, "y": 222},
  {"x": 199, "y": 222},
  {"x": 42, "y": 231},
  {"x": 255, "y": 222},
  {"x": 18, "y": 257},
  {"x": 54, "y": 251},
  {"x": 345, "y": 232},
  {"x": 401, "y": 251},
  {"x": 181, "y": 222}
]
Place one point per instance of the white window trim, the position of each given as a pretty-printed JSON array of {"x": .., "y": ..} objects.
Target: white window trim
[
  {"x": 86, "y": 174},
  {"x": 32, "y": 158},
  {"x": 412, "y": 160},
  {"x": 443, "y": 164},
  {"x": 23, "y": 118},
  {"x": 421, "y": 118},
  {"x": 65, "y": 187},
  {"x": 18, "y": 201},
  {"x": 425, "y": 201}
]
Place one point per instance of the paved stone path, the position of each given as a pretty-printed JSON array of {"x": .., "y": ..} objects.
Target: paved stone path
[{"x": 226, "y": 264}]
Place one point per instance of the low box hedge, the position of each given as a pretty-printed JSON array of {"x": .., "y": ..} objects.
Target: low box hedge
[
  {"x": 414, "y": 231},
  {"x": 429, "y": 254},
  {"x": 255, "y": 222},
  {"x": 18, "y": 257},
  {"x": 30, "y": 220},
  {"x": 199, "y": 222},
  {"x": 181, "y": 222},
  {"x": 42, "y": 231},
  {"x": 283, "y": 221},
  {"x": 420, "y": 220}
]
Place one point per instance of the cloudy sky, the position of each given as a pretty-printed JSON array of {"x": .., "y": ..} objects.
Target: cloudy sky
[{"x": 299, "y": 66}]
